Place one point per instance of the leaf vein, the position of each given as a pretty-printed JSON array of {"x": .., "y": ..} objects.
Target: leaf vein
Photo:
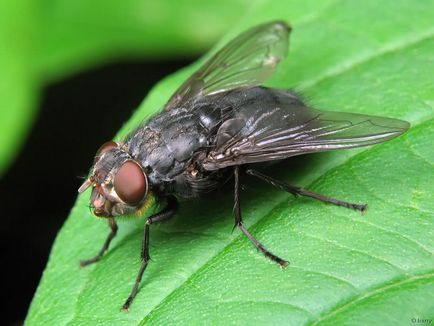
[
  {"x": 384, "y": 261},
  {"x": 355, "y": 301},
  {"x": 337, "y": 278}
]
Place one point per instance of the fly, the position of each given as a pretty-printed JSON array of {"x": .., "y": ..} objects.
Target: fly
[{"x": 215, "y": 127}]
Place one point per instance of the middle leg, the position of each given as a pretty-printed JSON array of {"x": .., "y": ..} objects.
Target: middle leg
[{"x": 239, "y": 223}]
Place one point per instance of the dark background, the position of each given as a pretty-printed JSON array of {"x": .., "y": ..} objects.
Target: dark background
[{"x": 75, "y": 117}]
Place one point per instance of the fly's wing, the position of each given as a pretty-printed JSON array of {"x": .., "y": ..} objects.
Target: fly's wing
[
  {"x": 288, "y": 129},
  {"x": 246, "y": 61}
]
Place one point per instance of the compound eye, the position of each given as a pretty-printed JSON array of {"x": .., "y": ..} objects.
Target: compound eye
[
  {"x": 107, "y": 146},
  {"x": 130, "y": 183}
]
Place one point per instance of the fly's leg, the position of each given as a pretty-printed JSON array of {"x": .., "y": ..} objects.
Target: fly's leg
[
  {"x": 164, "y": 215},
  {"x": 297, "y": 191},
  {"x": 239, "y": 223},
  {"x": 114, "y": 229}
]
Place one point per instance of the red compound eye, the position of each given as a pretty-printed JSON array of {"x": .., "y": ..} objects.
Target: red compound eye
[
  {"x": 105, "y": 148},
  {"x": 130, "y": 183}
]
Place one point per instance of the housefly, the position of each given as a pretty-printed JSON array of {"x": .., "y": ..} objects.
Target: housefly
[{"x": 215, "y": 127}]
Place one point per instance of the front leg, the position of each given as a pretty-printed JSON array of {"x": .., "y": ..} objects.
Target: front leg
[
  {"x": 164, "y": 215},
  {"x": 114, "y": 229}
]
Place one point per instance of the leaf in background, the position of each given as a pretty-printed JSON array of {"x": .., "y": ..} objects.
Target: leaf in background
[
  {"x": 80, "y": 33},
  {"x": 369, "y": 57},
  {"x": 18, "y": 94}
]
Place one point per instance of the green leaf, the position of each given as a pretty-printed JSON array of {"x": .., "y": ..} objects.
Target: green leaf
[
  {"x": 369, "y": 57},
  {"x": 80, "y": 33},
  {"x": 18, "y": 94}
]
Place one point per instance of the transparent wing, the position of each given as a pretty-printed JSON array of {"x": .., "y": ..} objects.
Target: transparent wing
[
  {"x": 246, "y": 61},
  {"x": 279, "y": 134}
]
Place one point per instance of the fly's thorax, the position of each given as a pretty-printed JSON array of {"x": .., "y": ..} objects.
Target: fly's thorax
[
  {"x": 167, "y": 143},
  {"x": 119, "y": 183}
]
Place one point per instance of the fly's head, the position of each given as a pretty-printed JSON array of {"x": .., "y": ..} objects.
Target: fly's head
[{"x": 119, "y": 184}]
